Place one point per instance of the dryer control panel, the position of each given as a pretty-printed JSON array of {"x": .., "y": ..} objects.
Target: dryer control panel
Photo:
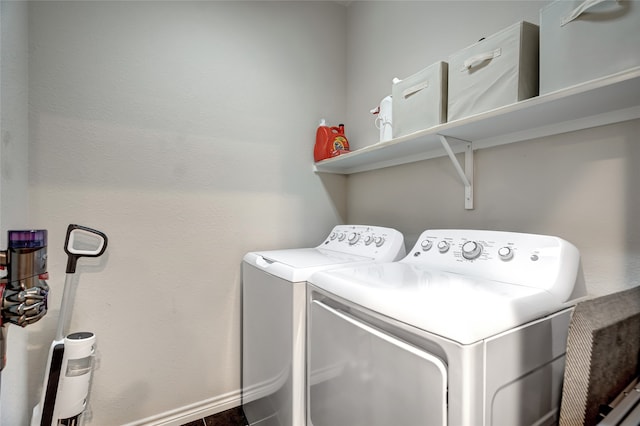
[
  {"x": 540, "y": 261},
  {"x": 370, "y": 241}
]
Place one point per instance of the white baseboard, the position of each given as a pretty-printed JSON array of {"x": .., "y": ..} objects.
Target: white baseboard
[{"x": 192, "y": 412}]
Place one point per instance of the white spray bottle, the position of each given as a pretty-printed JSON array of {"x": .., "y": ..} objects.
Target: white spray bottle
[{"x": 383, "y": 120}]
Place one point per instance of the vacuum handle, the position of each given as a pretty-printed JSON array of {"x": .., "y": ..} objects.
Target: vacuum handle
[{"x": 83, "y": 242}]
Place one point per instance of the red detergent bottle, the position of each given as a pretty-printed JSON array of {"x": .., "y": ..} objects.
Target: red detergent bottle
[{"x": 330, "y": 141}]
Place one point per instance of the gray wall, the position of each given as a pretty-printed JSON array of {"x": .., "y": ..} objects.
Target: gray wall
[
  {"x": 14, "y": 133},
  {"x": 184, "y": 131}
]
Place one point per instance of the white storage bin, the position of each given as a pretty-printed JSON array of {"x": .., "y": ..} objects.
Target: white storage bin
[
  {"x": 420, "y": 101},
  {"x": 584, "y": 40},
  {"x": 499, "y": 70}
]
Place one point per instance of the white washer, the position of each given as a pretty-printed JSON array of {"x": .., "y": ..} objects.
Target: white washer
[
  {"x": 469, "y": 328},
  {"x": 274, "y": 316}
]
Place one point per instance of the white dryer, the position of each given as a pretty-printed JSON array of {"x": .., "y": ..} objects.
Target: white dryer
[
  {"x": 274, "y": 316},
  {"x": 469, "y": 328}
]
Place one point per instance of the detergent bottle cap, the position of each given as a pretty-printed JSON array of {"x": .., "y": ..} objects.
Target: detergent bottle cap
[{"x": 322, "y": 122}]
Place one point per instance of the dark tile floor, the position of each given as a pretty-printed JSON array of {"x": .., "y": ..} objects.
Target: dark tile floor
[{"x": 232, "y": 417}]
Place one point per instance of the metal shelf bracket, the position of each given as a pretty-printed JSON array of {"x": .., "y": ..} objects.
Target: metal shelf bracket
[{"x": 466, "y": 174}]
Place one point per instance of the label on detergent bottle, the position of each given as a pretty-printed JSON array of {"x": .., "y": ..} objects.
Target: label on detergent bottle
[{"x": 340, "y": 145}]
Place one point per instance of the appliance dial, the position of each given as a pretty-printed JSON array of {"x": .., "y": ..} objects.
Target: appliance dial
[
  {"x": 341, "y": 236},
  {"x": 353, "y": 238},
  {"x": 379, "y": 241},
  {"x": 426, "y": 245},
  {"x": 443, "y": 246},
  {"x": 505, "y": 253},
  {"x": 333, "y": 236},
  {"x": 471, "y": 250},
  {"x": 368, "y": 239}
]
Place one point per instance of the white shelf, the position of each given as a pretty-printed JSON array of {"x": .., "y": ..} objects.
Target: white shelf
[{"x": 604, "y": 101}]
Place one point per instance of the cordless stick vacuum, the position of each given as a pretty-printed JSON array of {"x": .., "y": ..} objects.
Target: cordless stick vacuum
[
  {"x": 23, "y": 291},
  {"x": 70, "y": 362}
]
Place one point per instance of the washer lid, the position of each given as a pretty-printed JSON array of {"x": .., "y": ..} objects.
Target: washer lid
[
  {"x": 297, "y": 265},
  {"x": 458, "y": 307}
]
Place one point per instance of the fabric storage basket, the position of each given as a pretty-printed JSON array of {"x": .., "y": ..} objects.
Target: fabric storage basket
[
  {"x": 499, "y": 70},
  {"x": 420, "y": 101},
  {"x": 585, "y": 40}
]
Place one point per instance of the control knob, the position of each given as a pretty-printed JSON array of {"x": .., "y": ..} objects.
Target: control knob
[
  {"x": 353, "y": 238},
  {"x": 426, "y": 245},
  {"x": 368, "y": 239},
  {"x": 443, "y": 246},
  {"x": 379, "y": 241},
  {"x": 471, "y": 250},
  {"x": 341, "y": 236},
  {"x": 505, "y": 253}
]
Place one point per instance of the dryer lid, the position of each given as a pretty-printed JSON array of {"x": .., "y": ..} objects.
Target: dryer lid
[
  {"x": 311, "y": 257},
  {"x": 297, "y": 265}
]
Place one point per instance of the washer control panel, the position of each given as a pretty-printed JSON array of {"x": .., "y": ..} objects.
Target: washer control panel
[
  {"x": 363, "y": 240},
  {"x": 539, "y": 261}
]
